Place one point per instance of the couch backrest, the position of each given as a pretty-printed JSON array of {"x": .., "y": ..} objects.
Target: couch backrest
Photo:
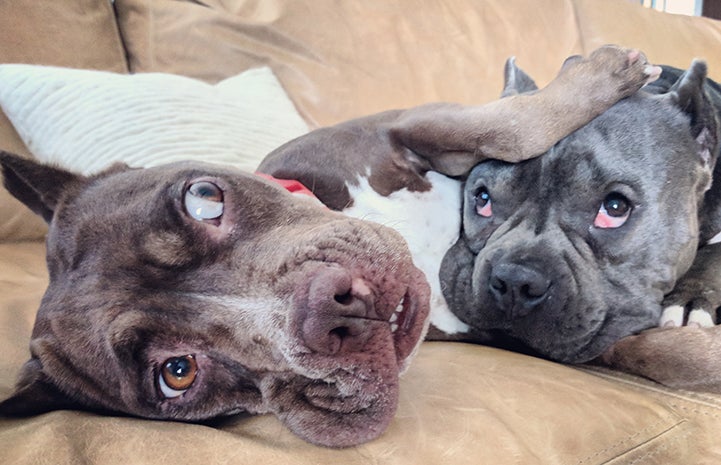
[{"x": 336, "y": 60}]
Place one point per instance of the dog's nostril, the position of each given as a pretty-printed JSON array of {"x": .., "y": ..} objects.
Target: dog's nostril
[
  {"x": 344, "y": 299},
  {"x": 531, "y": 292},
  {"x": 341, "y": 332},
  {"x": 499, "y": 285}
]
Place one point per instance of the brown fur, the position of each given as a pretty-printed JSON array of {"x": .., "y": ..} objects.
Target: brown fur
[
  {"x": 398, "y": 147},
  {"x": 134, "y": 281}
]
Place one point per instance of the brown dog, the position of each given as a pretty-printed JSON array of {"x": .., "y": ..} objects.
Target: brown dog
[{"x": 192, "y": 291}]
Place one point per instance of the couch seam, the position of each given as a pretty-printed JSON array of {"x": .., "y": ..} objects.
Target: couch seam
[
  {"x": 694, "y": 410},
  {"x": 700, "y": 399},
  {"x": 121, "y": 39},
  {"x": 632, "y": 436},
  {"x": 663, "y": 446}
]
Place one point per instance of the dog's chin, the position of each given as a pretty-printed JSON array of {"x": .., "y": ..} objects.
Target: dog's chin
[
  {"x": 579, "y": 346},
  {"x": 323, "y": 415},
  {"x": 553, "y": 336},
  {"x": 340, "y": 403},
  {"x": 572, "y": 350},
  {"x": 592, "y": 338}
]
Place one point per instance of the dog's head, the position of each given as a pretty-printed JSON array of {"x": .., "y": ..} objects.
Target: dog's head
[
  {"x": 572, "y": 251},
  {"x": 191, "y": 291}
]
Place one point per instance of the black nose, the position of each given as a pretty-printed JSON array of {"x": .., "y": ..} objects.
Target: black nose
[{"x": 518, "y": 289}]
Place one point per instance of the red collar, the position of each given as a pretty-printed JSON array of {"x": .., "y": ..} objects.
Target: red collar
[{"x": 291, "y": 185}]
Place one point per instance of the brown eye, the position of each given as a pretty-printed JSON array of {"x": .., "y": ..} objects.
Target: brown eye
[
  {"x": 177, "y": 374},
  {"x": 614, "y": 211}
]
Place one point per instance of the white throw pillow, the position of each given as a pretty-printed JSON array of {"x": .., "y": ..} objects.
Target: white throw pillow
[{"x": 86, "y": 120}]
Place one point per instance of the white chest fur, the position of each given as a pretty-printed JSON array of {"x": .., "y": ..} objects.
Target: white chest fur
[{"x": 428, "y": 221}]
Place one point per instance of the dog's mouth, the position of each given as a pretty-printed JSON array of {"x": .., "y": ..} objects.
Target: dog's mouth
[
  {"x": 348, "y": 315},
  {"x": 409, "y": 321},
  {"x": 347, "y": 385},
  {"x": 566, "y": 348}
]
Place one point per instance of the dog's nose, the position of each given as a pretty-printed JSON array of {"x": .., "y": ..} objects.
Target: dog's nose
[
  {"x": 518, "y": 289},
  {"x": 338, "y": 312}
]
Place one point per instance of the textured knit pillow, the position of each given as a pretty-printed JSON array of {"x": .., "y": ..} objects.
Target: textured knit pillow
[{"x": 85, "y": 120}]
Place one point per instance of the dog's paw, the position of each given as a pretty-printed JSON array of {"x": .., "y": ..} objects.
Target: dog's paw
[
  {"x": 693, "y": 302},
  {"x": 613, "y": 72},
  {"x": 677, "y": 315},
  {"x": 627, "y": 68},
  {"x": 696, "y": 298}
]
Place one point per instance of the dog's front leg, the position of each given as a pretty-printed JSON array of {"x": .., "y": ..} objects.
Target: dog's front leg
[
  {"x": 688, "y": 357},
  {"x": 454, "y": 138},
  {"x": 685, "y": 351}
]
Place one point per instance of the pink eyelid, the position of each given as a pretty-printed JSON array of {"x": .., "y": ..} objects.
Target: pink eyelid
[
  {"x": 605, "y": 221},
  {"x": 486, "y": 210}
]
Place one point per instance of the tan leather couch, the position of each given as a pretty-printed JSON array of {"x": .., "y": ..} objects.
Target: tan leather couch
[{"x": 340, "y": 59}]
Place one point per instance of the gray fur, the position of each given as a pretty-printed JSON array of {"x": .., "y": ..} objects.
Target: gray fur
[{"x": 602, "y": 284}]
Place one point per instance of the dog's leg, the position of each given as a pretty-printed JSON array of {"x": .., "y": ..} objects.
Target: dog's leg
[
  {"x": 688, "y": 357},
  {"x": 454, "y": 138},
  {"x": 697, "y": 295},
  {"x": 685, "y": 352}
]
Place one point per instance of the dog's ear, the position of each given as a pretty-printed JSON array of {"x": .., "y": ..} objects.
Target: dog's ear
[
  {"x": 690, "y": 94},
  {"x": 38, "y": 186},
  {"x": 516, "y": 81},
  {"x": 34, "y": 394}
]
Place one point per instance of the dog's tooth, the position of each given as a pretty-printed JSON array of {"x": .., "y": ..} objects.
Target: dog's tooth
[
  {"x": 394, "y": 327},
  {"x": 394, "y": 317}
]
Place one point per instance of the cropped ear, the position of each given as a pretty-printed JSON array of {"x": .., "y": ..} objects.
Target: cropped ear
[
  {"x": 40, "y": 187},
  {"x": 689, "y": 94},
  {"x": 516, "y": 81},
  {"x": 34, "y": 394},
  {"x": 701, "y": 99}
]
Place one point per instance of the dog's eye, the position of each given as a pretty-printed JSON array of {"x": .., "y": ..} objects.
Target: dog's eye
[
  {"x": 483, "y": 203},
  {"x": 177, "y": 375},
  {"x": 204, "y": 201},
  {"x": 614, "y": 211}
]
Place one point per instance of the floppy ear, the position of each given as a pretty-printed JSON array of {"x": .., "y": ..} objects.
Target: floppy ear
[
  {"x": 38, "y": 186},
  {"x": 34, "y": 394},
  {"x": 516, "y": 81},
  {"x": 701, "y": 99}
]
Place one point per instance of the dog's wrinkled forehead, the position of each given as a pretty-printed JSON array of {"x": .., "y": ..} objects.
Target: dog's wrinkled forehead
[
  {"x": 168, "y": 216},
  {"x": 137, "y": 197},
  {"x": 639, "y": 146}
]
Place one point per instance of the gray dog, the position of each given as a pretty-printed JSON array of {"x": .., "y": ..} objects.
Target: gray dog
[
  {"x": 191, "y": 291},
  {"x": 573, "y": 251}
]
